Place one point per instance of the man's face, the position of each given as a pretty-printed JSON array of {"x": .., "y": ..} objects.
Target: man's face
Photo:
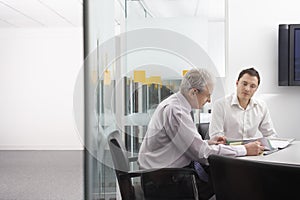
[
  {"x": 203, "y": 97},
  {"x": 246, "y": 87}
]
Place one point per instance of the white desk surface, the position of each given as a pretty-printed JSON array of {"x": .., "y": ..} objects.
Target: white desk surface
[{"x": 289, "y": 155}]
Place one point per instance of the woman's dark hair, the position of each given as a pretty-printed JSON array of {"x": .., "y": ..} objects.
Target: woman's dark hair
[{"x": 251, "y": 71}]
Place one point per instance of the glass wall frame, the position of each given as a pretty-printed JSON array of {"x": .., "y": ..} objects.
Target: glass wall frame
[{"x": 123, "y": 84}]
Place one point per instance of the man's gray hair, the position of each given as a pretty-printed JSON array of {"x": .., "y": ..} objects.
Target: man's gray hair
[{"x": 196, "y": 78}]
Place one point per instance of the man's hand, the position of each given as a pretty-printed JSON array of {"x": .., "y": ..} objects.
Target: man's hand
[
  {"x": 254, "y": 148},
  {"x": 217, "y": 140}
]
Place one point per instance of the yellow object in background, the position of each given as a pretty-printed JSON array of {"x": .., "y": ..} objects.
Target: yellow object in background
[
  {"x": 154, "y": 80},
  {"x": 184, "y": 71},
  {"x": 107, "y": 79},
  {"x": 236, "y": 143},
  {"x": 94, "y": 76},
  {"x": 139, "y": 76}
]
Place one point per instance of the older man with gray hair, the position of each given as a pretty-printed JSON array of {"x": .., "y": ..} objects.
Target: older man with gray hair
[{"x": 172, "y": 139}]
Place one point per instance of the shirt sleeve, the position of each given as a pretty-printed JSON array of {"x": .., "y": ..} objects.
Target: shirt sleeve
[
  {"x": 184, "y": 134},
  {"x": 216, "y": 126},
  {"x": 226, "y": 150},
  {"x": 206, "y": 150},
  {"x": 266, "y": 125}
]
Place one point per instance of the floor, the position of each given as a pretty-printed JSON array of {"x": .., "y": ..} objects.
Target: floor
[{"x": 41, "y": 175}]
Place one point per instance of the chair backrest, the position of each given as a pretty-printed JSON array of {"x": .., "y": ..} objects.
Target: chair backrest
[
  {"x": 118, "y": 151},
  {"x": 121, "y": 165},
  {"x": 203, "y": 130},
  {"x": 235, "y": 178},
  {"x": 165, "y": 183}
]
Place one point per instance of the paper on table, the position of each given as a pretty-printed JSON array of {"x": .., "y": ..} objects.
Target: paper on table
[
  {"x": 268, "y": 143},
  {"x": 264, "y": 141},
  {"x": 280, "y": 143}
]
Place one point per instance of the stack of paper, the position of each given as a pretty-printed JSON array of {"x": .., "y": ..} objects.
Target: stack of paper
[
  {"x": 268, "y": 143},
  {"x": 280, "y": 143}
]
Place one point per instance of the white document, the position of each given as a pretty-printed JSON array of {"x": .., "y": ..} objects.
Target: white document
[{"x": 280, "y": 143}]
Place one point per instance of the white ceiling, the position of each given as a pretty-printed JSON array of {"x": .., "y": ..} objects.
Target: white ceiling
[
  {"x": 214, "y": 9},
  {"x": 68, "y": 13},
  {"x": 40, "y": 13}
]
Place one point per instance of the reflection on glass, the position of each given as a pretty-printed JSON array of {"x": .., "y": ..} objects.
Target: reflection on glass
[
  {"x": 113, "y": 98},
  {"x": 140, "y": 105}
]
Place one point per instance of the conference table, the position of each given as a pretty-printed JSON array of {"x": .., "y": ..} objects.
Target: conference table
[
  {"x": 266, "y": 177},
  {"x": 288, "y": 155}
]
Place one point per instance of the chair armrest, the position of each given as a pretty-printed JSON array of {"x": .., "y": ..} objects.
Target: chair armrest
[
  {"x": 166, "y": 183},
  {"x": 137, "y": 173},
  {"x": 185, "y": 171},
  {"x": 169, "y": 183},
  {"x": 133, "y": 159},
  {"x": 178, "y": 170}
]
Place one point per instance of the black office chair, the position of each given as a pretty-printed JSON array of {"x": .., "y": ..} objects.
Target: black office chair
[
  {"x": 236, "y": 179},
  {"x": 166, "y": 183},
  {"x": 203, "y": 130}
]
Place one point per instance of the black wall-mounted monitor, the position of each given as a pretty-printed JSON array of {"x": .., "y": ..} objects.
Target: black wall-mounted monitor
[
  {"x": 294, "y": 55},
  {"x": 289, "y": 55}
]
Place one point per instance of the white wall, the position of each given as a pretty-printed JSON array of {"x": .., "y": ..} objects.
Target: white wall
[
  {"x": 209, "y": 35},
  {"x": 38, "y": 70},
  {"x": 253, "y": 34}
]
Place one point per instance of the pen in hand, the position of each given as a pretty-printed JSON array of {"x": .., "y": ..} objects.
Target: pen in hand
[{"x": 271, "y": 151}]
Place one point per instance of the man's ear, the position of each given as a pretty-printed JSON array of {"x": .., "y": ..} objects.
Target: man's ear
[
  {"x": 237, "y": 82},
  {"x": 191, "y": 92}
]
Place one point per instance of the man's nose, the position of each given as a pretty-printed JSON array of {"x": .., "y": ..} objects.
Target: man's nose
[{"x": 247, "y": 87}]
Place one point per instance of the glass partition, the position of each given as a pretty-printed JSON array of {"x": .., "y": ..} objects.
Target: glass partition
[{"x": 136, "y": 53}]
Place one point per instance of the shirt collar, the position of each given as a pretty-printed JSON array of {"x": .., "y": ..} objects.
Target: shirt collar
[
  {"x": 235, "y": 101},
  {"x": 184, "y": 101}
]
